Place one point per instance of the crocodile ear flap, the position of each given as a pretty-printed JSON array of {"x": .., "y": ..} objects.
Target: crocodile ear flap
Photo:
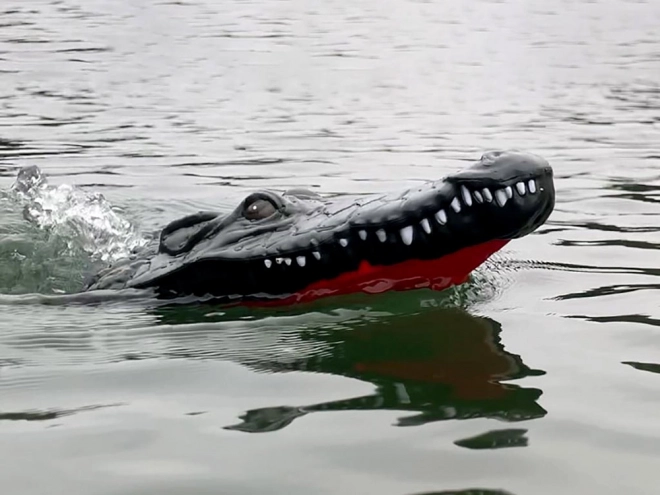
[{"x": 181, "y": 235}]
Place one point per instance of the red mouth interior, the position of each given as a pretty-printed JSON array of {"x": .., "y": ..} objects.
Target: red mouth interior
[{"x": 438, "y": 274}]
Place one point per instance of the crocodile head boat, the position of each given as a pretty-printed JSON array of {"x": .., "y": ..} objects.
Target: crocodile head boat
[{"x": 298, "y": 246}]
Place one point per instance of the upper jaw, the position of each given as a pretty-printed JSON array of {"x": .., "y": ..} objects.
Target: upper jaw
[
  {"x": 522, "y": 181},
  {"x": 504, "y": 195}
]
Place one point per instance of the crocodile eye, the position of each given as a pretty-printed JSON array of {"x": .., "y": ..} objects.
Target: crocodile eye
[{"x": 259, "y": 209}]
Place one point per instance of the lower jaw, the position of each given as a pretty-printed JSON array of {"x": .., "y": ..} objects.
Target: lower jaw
[{"x": 438, "y": 274}]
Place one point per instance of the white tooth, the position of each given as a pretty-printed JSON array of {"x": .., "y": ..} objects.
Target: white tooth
[
  {"x": 456, "y": 205},
  {"x": 287, "y": 261},
  {"x": 441, "y": 217},
  {"x": 314, "y": 242},
  {"x": 363, "y": 234},
  {"x": 279, "y": 261},
  {"x": 467, "y": 199},
  {"x": 478, "y": 197},
  {"x": 316, "y": 255},
  {"x": 500, "y": 197},
  {"x": 509, "y": 192},
  {"x": 531, "y": 185},
  {"x": 268, "y": 263},
  {"x": 521, "y": 188},
  {"x": 301, "y": 260},
  {"x": 343, "y": 242},
  {"x": 425, "y": 225},
  {"x": 407, "y": 235},
  {"x": 382, "y": 236},
  {"x": 487, "y": 195}
]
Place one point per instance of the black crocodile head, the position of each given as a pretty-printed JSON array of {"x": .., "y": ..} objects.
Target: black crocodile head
[{"x": 301, "y": 245}]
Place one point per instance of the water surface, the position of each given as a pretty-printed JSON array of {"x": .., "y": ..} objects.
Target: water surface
[{"x": 539, "y": 377}]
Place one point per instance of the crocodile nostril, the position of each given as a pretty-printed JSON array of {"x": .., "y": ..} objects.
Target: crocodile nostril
[{"x": 491, "y": 156}]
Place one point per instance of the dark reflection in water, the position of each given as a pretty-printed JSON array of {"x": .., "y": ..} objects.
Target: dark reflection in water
[
  {"x": 612, "y": 242},
  {"x": 50, "y": 414},
  {"x": 438, "y": 364},
  {"x": 572, "y": 267},
  {"x": 608, "y": 291},
  {"x": 470, "y": 491},
  {"x": 650, "y": 367},
  {"x": 608, "y": 227},
  {"x": 634, "y": 318},
  {"x": 496, "y": 439}
]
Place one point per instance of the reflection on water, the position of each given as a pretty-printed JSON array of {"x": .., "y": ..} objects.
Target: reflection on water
[
  {"x": 496, "y": 439},
  {"x": 438, "y": 364},
  {"x": 650, "y": 367},
  {"x": 471, "y": 491},
  {"x": 425, "y": 357},
  {"x": 47, "y": 415}
]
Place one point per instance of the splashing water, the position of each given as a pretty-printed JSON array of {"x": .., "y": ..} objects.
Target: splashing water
[{"x": 84, "y": 221}]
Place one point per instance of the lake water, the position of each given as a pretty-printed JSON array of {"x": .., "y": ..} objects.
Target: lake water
[{"x": 541, "y": 376}]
